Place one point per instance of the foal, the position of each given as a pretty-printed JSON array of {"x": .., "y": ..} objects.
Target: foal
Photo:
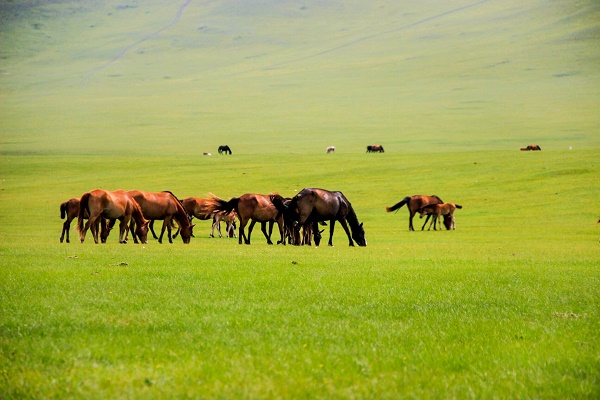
[{"x": 437, "y": 210}]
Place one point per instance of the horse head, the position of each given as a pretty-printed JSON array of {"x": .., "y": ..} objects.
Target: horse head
[
  {"x": 141, "y": 231},
  {"x": 359, "y": 235},
  {"x": 186, "y": 233}
]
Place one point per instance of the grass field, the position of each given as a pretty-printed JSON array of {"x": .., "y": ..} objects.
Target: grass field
[{"x": 130, "y": 94}]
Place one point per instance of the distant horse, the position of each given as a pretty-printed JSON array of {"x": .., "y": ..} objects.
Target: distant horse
[
  {"x": 313, "y": 205},
  {"x": 255, "y": 207},
  {"x": 224, "y": 149},
  {"x": 375, "y": 148},
  {"x": 414, "y": 203},
  {"x": 166, "y": 207},
  {"x": 330, "y": 149},
  {"x": 230, "y": 224},
  {"x": 531, "y": 147},
  {"x": 112, "y": 206},
  {"x": 437, "y": 210}
]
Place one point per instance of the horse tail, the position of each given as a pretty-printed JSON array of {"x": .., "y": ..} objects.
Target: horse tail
[
  {"x": 458, "y": 206},
  {"x": 220, "y": 205},
  {"x": 63, "y": 210},
  {"x": 398, "y": 205},
  {"x": 83, "y": 207}
]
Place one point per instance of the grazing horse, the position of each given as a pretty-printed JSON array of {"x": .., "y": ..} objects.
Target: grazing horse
[
  {"x": 312, "y": 205},
  {"x": 414, "y": 203},
  {"x": 330, "y": 149},
  {"x": 375, "y": 148},
  {"x": 224, "y": 149},
  {"x": 531, "y": 147},
  {"x": 437, "y": 210},
  {"x": 112, "y": 206},
  {"x": 255, "y": 207},
  {"x": 164, "y": 206},
  {"x": 230, "y": 224}
]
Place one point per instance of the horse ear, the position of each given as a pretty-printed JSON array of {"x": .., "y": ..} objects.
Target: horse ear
[
  {"x": 361, "y": 224},
  {"x": 192, "y": 225}
]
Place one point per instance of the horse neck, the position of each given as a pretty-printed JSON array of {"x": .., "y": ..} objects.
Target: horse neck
[
  {"x": 352, "y": 219},
  {"x": 137, "y": 214},
  {"x": 181, "y": 215}
]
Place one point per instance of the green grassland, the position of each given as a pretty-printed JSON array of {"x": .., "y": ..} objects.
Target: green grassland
[{"x": 505, "y": 306}]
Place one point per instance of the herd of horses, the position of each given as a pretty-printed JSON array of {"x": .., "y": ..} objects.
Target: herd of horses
[{"x": 298, "y": 218}]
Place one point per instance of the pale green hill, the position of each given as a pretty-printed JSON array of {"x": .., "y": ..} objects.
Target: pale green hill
[{"x": 287, "y": 76}]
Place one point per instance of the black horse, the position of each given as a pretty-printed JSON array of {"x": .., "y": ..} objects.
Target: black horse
[
  {"x": 224, "y": 149},
  {"x": 312, "y": 206}
]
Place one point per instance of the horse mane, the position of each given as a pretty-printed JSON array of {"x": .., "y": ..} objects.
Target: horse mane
[{"x": 137, "y": 213}]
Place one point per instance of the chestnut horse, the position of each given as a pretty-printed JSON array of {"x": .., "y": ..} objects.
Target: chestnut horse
[
  {"x": 312, "y": 205},
  {"x": 255, "y": 207},
  {"x": 437, "y": 210},
  {"x": 414, "y": 203},
  {"x": 164, "y": 206},
  {"x": 112, "y": 206}
]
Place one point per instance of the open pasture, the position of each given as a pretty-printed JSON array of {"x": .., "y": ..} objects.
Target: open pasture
[
  {"x": 130, "y": 94},
  {"x": 506, "y": 305}
]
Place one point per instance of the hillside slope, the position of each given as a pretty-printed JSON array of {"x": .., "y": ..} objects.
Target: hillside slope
[{"x": 272, "y": 76}]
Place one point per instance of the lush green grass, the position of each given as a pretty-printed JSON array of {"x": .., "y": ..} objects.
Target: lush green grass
[{"x": 506, "y": 306}]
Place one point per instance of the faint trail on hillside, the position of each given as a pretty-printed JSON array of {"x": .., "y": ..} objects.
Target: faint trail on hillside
[
  {"x": 374, "y": 35},
  {"x": 126, "y": 49}
]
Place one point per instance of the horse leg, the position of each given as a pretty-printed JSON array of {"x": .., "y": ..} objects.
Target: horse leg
[
  {"x": 410, "y": 221},
  {"x": 132, "y": 229},
  {"x": 123, "y": 231},
  {"x": 426, "y": 219},
  {"x": 331, "y": 228},
  {"x": 263, "y": 228},
  {"x": 151, "y": 230},
  {"x": 280, "y": 224},
  {"x": 345, "y": 226},
  {"x": 242, "y": 235},
  {"x": 66, "y": 227},
  {"x": 162, "y": 232}
]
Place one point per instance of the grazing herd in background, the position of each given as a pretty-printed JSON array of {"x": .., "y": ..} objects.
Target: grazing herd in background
[{"x": 297, "y": 218}]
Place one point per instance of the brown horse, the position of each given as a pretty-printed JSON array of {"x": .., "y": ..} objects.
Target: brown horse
[
  {"x": 112, "y": 206},
  {"x": 312, "y": 205},
  {"x": 414, "y": 203},
  {"x": 255, "y": 207},
  {"x": 437, "y": 210},
  {"x": 166, "y": 207}
]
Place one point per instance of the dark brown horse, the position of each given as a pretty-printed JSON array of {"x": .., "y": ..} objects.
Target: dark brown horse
[
  {"x": 414, "y": 203},
  {"x": 312, "y": 205},
  {"x": 531, "y": 147},
  {"x": 255, "y": 207},
  {"x": 375, "y": 148},
  {"x": 166, "y": 207},
  {"x": 112, "y": 206}
]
